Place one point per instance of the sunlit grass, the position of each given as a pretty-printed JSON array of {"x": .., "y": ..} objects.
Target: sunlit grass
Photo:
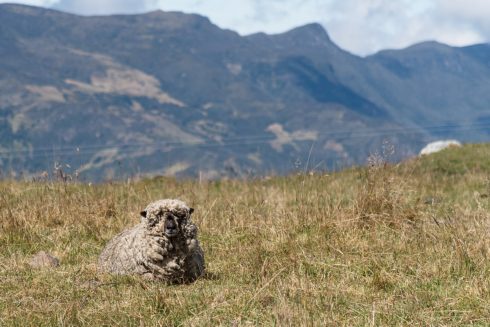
[{"x": 386, "y": 245}]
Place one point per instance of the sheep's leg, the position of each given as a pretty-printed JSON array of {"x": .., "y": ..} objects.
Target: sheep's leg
[
  {"x": 155, "y": 251},
  {"x": 169, "y": 271}
]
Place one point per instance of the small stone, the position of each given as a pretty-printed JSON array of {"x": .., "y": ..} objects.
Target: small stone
[
  {"x": 43, "y": 260},
  {"x": 91, "y": 284}
]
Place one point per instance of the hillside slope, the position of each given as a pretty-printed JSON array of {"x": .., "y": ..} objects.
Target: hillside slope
[
  {"x": 385, "y": 245},
  {"x": 171, "y": 93}
]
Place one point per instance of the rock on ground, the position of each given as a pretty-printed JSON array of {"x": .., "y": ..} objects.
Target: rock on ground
[
  {"x": 438, "y": 146},
  {"x": 43, "y": 260}
]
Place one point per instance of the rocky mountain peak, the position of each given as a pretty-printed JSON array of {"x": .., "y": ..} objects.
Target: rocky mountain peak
[{"x": 170, "y": 93}]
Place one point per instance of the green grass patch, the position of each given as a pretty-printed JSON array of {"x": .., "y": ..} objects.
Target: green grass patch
[{"x": 381, "y": 246}]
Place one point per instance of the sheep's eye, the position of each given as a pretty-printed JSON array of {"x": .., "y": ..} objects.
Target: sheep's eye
[
  {"x": 180, "y": 216},
  {"x": 161, "y": 214}
]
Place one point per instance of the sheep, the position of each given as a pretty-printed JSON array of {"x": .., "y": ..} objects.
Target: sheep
[{"x": 163, "y": 246}]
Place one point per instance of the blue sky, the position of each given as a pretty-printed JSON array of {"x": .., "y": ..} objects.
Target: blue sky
[{"x": 360, "y": 26}]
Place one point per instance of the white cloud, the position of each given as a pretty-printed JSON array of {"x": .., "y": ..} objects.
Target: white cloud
[
  {"x": 475, "y": 13},
  {"x": 105, "y": 7},
  {"x": 39, "y": 3},
  {"x": 475, "y": 9},
  {"x": 378, "y": 24},
  {"x": 360, "y": 26},
  {"x": 250, "y": 16}
]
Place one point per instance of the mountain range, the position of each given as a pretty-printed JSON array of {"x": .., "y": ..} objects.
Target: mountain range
[{"x": 168, "y": 93}]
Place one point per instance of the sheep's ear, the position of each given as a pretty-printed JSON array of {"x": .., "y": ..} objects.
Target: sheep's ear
[
  {"x": 143, "y": 213},
  {"x": 191, "y": 210}
]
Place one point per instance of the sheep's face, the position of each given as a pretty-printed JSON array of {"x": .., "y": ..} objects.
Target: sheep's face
[
  {"x": 171, "y": 225},
  {"x": 166, "y": 217}
]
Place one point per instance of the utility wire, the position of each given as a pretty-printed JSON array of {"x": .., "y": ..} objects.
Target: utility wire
[{"x": 235, "y": 141}]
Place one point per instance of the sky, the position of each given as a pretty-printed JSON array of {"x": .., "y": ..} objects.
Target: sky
[{"x": 362, "y": 27}]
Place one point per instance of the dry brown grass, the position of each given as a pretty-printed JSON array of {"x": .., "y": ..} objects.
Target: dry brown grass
[{"x": 387, "y": 245}]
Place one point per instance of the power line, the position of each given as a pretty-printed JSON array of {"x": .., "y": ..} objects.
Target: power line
[
  {"x": 236, "y": 141},
  {"x": 267, "y": 138}
]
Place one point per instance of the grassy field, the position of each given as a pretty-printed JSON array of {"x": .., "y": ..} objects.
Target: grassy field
[{"x": 403, "y": 245}]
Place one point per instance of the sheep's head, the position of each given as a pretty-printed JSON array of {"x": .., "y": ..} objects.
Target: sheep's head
[{"x": 169, "y": 217}]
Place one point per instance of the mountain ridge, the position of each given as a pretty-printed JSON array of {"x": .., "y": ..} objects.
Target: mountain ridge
[{"x": 152, "y": 92}]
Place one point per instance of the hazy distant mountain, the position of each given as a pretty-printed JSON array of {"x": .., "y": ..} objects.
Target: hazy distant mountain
[{"x": 171, "y": 93}]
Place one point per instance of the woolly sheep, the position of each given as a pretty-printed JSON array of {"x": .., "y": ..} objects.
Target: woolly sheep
[{"x": 163, "y": 246}]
